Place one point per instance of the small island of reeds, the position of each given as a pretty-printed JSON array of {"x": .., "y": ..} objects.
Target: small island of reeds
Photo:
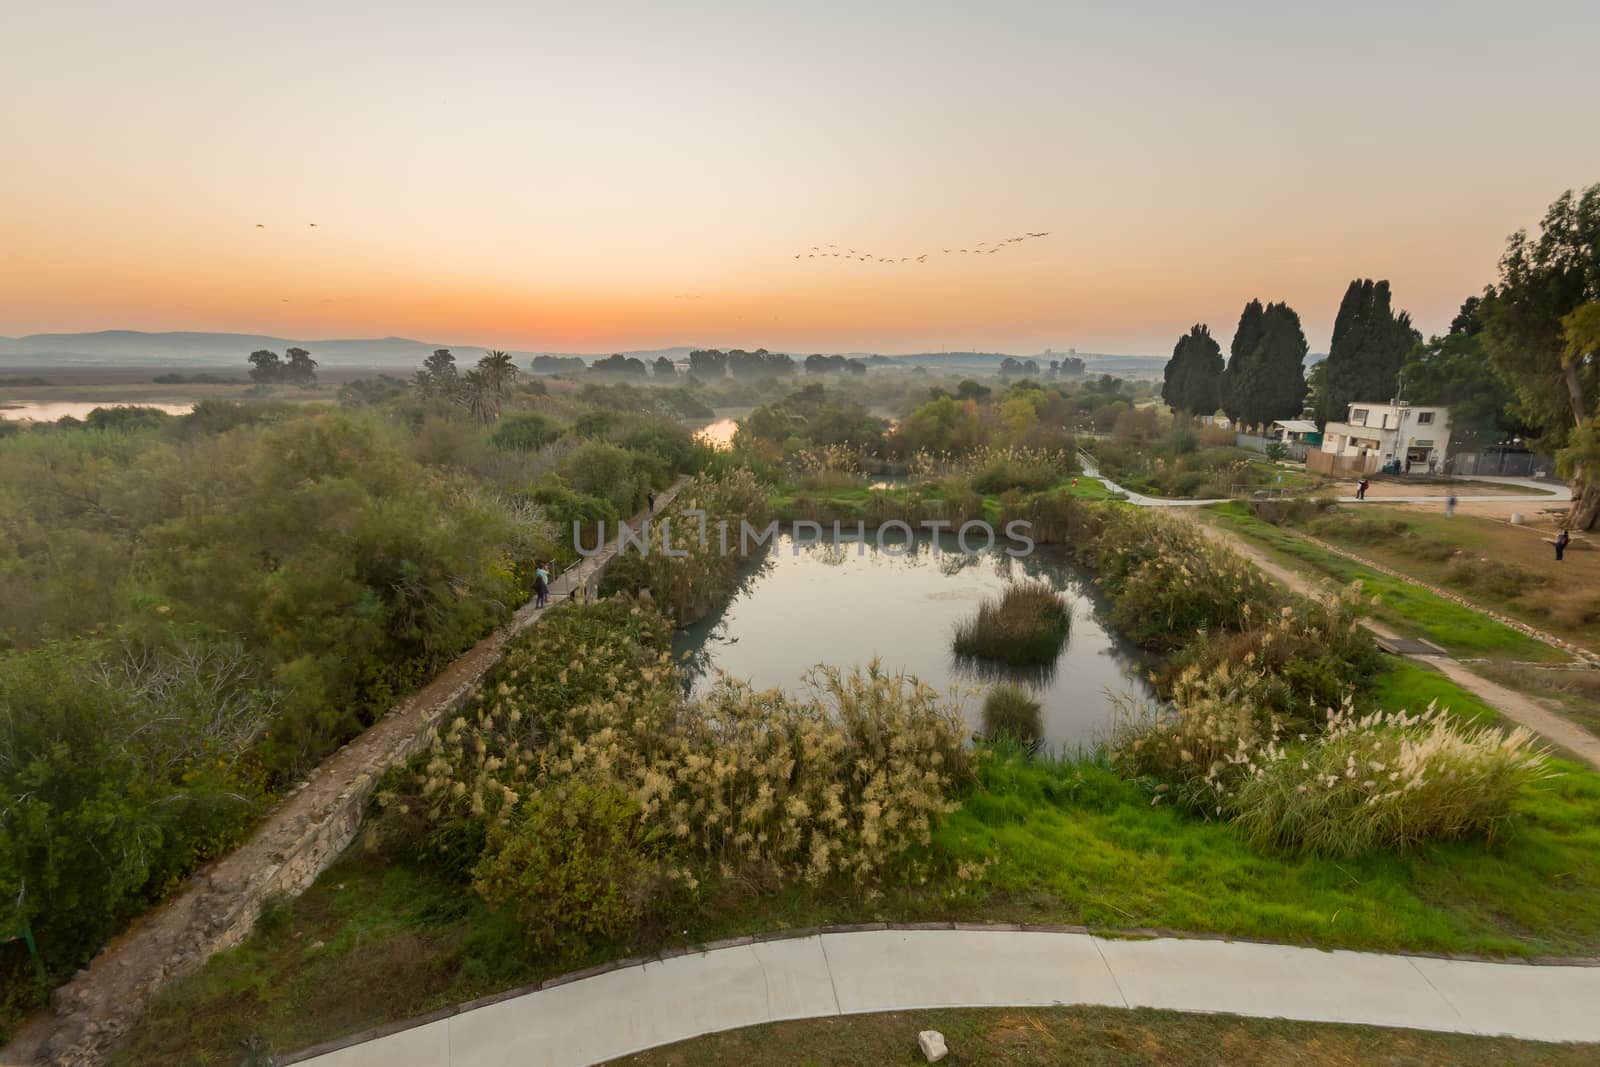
[{"x": 1024, "y": 627}]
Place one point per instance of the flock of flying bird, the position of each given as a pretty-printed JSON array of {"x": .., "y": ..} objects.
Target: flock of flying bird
[{"x": 982, "y": 248}]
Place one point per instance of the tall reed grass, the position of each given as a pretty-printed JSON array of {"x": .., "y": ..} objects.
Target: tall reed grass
[{"x": 1026, "y": 625}]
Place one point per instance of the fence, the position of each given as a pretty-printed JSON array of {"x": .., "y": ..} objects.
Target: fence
[
  {"x": 1320, "y": 462},
  {"x": 1498, "y": 464},
  {"x": 1295, "y": 449}
]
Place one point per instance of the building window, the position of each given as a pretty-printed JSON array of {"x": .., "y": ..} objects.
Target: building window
[
  {"x": 1359, "y": 416},
  {"x": 1424, "y": 418}
]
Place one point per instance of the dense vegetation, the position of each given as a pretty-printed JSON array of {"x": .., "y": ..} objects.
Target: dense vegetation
[{"x": 200, "y": 608}]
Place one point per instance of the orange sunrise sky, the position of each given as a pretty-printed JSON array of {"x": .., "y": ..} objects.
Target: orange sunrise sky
[{"x": 603, "y": 177}]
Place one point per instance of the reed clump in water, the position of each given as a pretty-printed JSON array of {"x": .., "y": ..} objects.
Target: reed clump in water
[
  {"x": 1025, "y": 626},
  {"x": 1011, "y": 712}
]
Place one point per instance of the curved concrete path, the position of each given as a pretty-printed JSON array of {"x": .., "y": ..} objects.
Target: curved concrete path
[
  {"x": 599, "y": 1018},
  {"x": 1538, "y": 492}
]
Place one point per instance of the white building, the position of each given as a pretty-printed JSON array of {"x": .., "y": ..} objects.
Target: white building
[{"x": 1414, "y": 438}]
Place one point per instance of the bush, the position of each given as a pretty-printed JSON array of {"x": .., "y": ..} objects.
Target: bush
[
  {"x": 1180, "y": 584},
  {"x": 527, "y": 432},
  {"x": 1025, "y": 626},
  {"x": 576, "y": 863},
  {"x": 1385, "y": 781},
  {"x": 120, "y": 768},
  {"x": 1009, "y": 711},
  {"x": 758, "y": 787},
  {"x": 606, "y": 472}
]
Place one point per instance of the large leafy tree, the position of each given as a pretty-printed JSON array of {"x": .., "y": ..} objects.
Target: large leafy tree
[
  {"x": 1370, "y": 342},
  {"x": 266, "y": 366},
  {"x": 1548, "y": 345},
  {"x": 301, "y": 368},
  {"x": 1265, "y": 378},
  {"x": 1193, "y": 379},
  {"x": 1455, "y": 370}
]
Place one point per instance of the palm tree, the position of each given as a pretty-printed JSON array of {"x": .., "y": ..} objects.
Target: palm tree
[
  {"x": 479, "y": 394},
  {"x": 498, "y": 368}
]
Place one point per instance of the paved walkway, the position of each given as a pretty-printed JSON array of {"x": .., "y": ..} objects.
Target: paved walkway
[
  {"x": 1537, "y": 492},
  {"x": 644, "y": 1005}
]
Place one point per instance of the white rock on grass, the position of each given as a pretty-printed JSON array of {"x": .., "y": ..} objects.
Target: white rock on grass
[{"x": 932, "y": 1044}]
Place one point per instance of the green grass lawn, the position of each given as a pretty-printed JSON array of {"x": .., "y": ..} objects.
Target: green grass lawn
[
  {"x": 378, "y": 938},
  {"x": 1047, "y": 1037},
  {"x": 1506, "y": 568},
  {"x": 1462, "y": 632}
]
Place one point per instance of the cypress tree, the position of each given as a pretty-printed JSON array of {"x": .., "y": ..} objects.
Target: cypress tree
[
  {"x": 1265, "y": 379},
  {"x": 1369, "y": 347},
  {"x": 1193, "y": 377}
]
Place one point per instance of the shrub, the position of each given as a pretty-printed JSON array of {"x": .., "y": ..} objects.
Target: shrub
[
  {"x": 1388, "y": 780},
  {"x": 838, "y": 782},
  {"x": 120, "y": 768},
  {"x": 606, "y": 472},
  {"x": 1179, "y": 583},
  {"x": 527, "y": 432},
  {"x": 575, "y": 864},
  {"x": 1025, "y": 626},
  {"x": 1010, "y": 711}
]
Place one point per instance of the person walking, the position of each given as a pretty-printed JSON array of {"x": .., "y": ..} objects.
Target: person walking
[
  {"x": 1361, "y": 489},
  {"x": 1561, "y": 545},
  {"x": 650, "y": 502},
  {"x": 1449, "y": 506},
  {"x": 541, "y": 585}
]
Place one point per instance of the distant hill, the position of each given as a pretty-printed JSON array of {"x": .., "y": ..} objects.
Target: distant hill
[
  {"x": 183, "y": 348},
  {"x": 192, "y": 349}
]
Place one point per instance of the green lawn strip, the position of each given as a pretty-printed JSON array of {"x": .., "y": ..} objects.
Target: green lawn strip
[
  {"x": 1407, "y": 686},
  {"x": 1047, "y": 1037},
  {"x": 1425, "y": 534},
  {"x": 1409, "y": 609},
  {"x": 851, "y": 502}
]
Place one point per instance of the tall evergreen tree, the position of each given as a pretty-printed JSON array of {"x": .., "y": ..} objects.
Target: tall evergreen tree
[
  {"x": 1193, "y": 379},
  {"x": 1265, "y": 379},
  {"x": 1246, "y": 338},
  {"x": 1369, "y": 346}
]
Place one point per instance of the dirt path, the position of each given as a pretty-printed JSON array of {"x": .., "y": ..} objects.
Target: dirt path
[
  {"x": 307, "y": 830},
  {"x": 1531, "y": 713}
]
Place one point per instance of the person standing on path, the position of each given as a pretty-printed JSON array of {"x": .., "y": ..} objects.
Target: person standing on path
[
  {"x": 1449, "y": 505},
  {"x": 1562, "y": 542},
  {"x": 650, "y": 502},
  {"x": 1361, "y": 489},
  {"x": 541, "y": 586}
]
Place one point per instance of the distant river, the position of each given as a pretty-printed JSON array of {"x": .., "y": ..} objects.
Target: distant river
[
  {"x": 718, "y": 434},
  {"x": 53, "y": 410}
]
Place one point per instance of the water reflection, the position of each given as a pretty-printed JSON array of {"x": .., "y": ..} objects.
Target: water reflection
[
  {"x": 843, "y": 601},
  {"x": 52, "y": 411},
  {"x": 718, "y": 434}
]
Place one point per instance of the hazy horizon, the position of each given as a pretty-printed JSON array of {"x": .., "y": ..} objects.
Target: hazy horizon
[{"x": 546, "y": 179}]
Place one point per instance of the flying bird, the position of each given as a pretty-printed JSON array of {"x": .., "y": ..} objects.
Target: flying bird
[
  {"x": 1044, "y": 234},
  {"x": 261, "y": 225},
  {"x": 312, "y": 225}
]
